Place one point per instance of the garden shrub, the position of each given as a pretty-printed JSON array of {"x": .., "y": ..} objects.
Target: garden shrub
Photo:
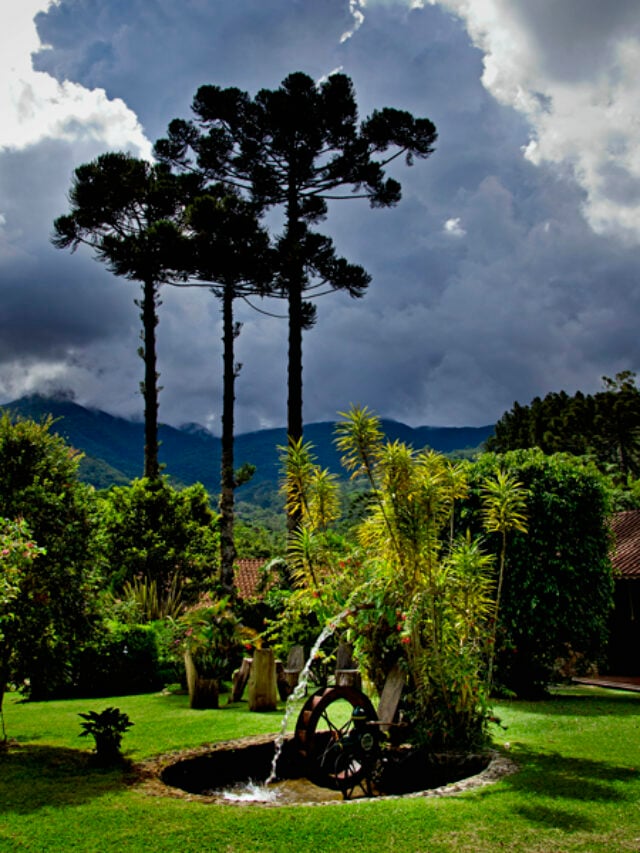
[
  {"x": 155, "y": 533},
  {"x": 558, "y": 581},
  {"x": 56, "y": 606},
  {"x": 123, "y": 659}
]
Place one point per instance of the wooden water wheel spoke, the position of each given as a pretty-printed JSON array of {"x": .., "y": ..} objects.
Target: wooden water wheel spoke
[{"x": 323, "y": 734}]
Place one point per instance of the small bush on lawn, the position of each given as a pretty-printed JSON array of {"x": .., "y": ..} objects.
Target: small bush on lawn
[{"x": 107, "y": 728}]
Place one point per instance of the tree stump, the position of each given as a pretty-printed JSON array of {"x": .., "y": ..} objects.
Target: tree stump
[
  {"x": 240, "y": 679},
  {"x": 291, "y": 672},
  {"x": 347, "y": 673},
  {"x": 263, "y": 692},
  {"x": 281, "y": 681},
  {"x": 390, "y": 697}
]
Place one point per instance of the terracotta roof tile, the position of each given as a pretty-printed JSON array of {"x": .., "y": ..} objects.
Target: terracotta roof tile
[
  {"x": 626, "y": 529},
  {"x": 248, "y": 577}
]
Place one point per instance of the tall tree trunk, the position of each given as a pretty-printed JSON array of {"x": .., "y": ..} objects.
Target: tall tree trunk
[
  {"x": 295, "y": 284},
  {"x": 149, "y": 388},
  {"x": 294, "y": 401},
  {"x": 227, "y": 478}
]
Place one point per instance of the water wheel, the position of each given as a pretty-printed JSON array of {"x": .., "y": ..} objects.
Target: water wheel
[{"x": 338, "y": 735}]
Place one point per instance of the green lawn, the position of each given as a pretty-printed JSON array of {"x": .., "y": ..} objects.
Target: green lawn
[{"x": 578, "y": 786}]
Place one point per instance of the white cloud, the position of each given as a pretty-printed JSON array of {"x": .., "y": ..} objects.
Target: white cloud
[
  {"x": 572, "y": 71},
  {"x": 356, "y": 9},
  {"x": 453, "y": 227},
  {"x": 34, "y": 106}
]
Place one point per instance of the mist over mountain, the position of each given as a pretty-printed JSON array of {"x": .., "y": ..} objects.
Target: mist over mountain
[{"x": 113, "y": 446}]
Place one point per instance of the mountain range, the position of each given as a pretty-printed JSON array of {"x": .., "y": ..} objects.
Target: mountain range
[{"x": 113, "y": 446}]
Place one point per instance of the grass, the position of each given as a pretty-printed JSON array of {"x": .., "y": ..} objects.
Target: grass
[{"x": 577, "y": 789}]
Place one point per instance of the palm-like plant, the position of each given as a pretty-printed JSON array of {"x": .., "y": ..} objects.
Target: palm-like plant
[
  {"x": 429, "y": 596},
  {"x": 311, "y": 493},
  {"x": 504, "y": 510}
]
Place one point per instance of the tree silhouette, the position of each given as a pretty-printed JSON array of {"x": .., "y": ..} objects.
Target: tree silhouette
[
  {"x": 229, "y": 250},
  {"x": 128, "y": 211},
  {"x": 295, "y": 148}
]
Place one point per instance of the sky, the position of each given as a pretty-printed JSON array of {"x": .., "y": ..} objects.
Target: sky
[{"x": 508, "y": 270}]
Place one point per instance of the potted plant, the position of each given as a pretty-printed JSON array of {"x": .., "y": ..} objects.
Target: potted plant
[{"x": 213, "y": 647}]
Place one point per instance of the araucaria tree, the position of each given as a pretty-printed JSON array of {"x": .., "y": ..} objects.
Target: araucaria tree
[
  {"x": 229, "y": 250},
  {"x": 295, "y": 148},
  {"x": 127, "y": 210}
]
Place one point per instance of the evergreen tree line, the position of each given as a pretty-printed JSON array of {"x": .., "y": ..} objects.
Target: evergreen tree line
[{"x": 604, "y": 426}]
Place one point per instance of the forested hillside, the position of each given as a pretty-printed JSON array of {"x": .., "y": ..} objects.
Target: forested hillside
[{"x": 113, "y": 446}]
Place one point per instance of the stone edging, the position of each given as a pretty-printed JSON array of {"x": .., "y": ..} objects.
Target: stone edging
[{"x": 145, "y": 776}]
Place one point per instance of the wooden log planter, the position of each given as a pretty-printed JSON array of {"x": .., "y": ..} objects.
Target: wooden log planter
[{"x": 204, "y": 693}]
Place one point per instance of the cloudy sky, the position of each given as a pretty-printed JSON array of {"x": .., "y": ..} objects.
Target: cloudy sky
[{"x": 509, "y": 269}]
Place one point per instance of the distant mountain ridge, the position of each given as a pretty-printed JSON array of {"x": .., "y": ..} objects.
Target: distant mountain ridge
[{"x": 113, "y": 446}]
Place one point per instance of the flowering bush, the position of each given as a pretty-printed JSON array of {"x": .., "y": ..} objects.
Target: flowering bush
[{"x": 17, "y": 550}]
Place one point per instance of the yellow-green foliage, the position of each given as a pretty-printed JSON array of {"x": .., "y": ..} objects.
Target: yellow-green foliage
[{"x": 415, "y": 595}]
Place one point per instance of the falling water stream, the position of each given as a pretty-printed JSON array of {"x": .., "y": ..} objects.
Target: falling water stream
[{"x": 261, "y": 792}]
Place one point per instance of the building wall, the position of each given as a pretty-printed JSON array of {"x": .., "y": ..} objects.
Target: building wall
[{"x": 623, "y": 651}]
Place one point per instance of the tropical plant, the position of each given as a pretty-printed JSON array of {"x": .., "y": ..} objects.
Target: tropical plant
[
  {"x": 409, "y": 594},
  {"x": 107, "y": 729},
  {"x": 214, "y": 637},
  {"x": 150, "y": 604},
  {"x": 316, "y": 554},
  {"x": 427, "y": 600},
  {"x": 503, "y": 510}
]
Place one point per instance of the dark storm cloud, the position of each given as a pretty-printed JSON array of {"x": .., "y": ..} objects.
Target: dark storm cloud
[
  {"x": 155, "y": 53},
  {"x": 51, "y": 303},
  {"x": 488, "y": 284}
]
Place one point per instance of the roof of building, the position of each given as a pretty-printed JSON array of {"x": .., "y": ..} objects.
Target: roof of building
[
  {"x": 248, "y": 576},
  {"x": 626, "y": 529}
]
